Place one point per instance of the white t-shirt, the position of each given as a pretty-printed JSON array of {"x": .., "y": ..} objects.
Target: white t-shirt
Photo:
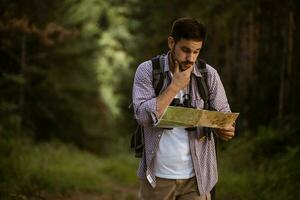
[{"x": 173, "y": 158}]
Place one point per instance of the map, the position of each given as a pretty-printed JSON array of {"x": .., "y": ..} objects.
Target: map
[{"x": 191, "y": 117}]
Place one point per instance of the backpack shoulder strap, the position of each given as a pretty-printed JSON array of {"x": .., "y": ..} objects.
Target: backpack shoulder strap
[
  {"x": 202, "y": 83},
  {"x": 158, "y": 75}
]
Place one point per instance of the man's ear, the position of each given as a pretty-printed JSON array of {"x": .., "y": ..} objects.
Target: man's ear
[{"x": 171, "y": 42}]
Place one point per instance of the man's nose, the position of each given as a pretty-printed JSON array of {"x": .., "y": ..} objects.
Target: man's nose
[{"x": 190, "y": 57}]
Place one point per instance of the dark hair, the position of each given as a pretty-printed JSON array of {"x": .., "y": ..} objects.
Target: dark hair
[{"x": 188, "y": 28}]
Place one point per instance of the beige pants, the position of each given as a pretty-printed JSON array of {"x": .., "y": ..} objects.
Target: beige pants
[{"x": 171, "y": 189}]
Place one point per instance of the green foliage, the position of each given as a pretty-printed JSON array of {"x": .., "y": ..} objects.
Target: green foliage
[
  {"x": 54, "y": 168},
  {"x": 114, "y": 62},
  {"x": 260, "y": 165},
  {"x": 62, "y": 70}
]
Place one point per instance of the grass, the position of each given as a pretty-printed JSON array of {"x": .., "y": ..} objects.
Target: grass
[
  {"x": 29, "y": 169},
  {"x": 262, "y": 165}
]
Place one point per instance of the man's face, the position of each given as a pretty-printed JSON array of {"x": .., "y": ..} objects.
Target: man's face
[{"x": 184, "y": 51}]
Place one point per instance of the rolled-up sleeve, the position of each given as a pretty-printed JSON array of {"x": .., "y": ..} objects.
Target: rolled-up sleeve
[
  {"x": 143, "y": 95},
  {"x": 217, "y": 95}
]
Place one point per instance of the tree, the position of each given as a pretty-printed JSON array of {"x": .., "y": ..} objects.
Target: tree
[{"x": 62, "y": 62}]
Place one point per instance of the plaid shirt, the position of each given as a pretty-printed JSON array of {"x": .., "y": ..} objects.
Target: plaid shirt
[{"x": 203, "y": 149}]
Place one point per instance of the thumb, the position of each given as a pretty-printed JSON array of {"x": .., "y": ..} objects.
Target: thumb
[{"x": 176, "y": 67}]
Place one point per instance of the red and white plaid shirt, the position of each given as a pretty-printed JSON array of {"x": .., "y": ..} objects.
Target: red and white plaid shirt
[{"x": 203, "y": 149}]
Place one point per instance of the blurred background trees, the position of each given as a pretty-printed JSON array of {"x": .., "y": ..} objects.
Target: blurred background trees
[
  {"x": 67, "y": 69},
  {"x": 61, "y": 63}
]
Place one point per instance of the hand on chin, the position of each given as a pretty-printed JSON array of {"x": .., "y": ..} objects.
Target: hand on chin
[{"x": 185, "y": 67}]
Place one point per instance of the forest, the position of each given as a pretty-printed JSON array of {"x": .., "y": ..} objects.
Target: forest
[{"x": 66, "y": 76}]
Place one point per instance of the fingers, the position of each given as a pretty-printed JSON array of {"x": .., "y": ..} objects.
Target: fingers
[
  {"x": 190, "y": 69},
  {"x": 176, "y": 67},
  {"x": 228, "y": 128},
  {"x": 225, "y": 138},
  {"x": 181, "y": 78},
  {"x": 226, "y": 133}
]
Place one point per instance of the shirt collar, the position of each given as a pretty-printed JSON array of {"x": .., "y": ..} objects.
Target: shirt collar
[{"x": 195, "y": 71}]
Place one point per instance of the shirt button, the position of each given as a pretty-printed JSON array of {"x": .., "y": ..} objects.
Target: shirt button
[
  {"x": 159, "y": 135},
  {"x": 152, "y": 152}
]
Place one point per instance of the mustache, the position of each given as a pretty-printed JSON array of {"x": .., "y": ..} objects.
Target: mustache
[{"x": 187, "y": 63}]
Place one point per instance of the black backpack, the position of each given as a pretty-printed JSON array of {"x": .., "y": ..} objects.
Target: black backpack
[{"x": 137, "y": 138}]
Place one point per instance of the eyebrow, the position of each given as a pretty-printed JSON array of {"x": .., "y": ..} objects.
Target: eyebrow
[{"x": 184, "y": 47}]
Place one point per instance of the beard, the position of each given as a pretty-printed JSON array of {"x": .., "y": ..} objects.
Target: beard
[{"x": 184, "y": 65}]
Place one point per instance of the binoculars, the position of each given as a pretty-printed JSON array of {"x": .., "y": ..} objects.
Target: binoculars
[{"x": 186, "y": 102}]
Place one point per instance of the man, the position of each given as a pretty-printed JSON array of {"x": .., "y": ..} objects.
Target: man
[{"x": 178, "y": 163}]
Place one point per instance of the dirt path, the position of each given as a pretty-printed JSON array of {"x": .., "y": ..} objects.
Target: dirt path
[{"x": 119, "y": 193}]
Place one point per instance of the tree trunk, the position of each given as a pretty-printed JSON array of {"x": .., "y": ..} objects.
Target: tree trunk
[
  {"x": 22, "y": 84},
  {"x": 286, "y": 73}
]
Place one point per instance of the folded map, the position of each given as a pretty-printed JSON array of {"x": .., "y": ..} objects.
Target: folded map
[{"x": 191, "y": 117}]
